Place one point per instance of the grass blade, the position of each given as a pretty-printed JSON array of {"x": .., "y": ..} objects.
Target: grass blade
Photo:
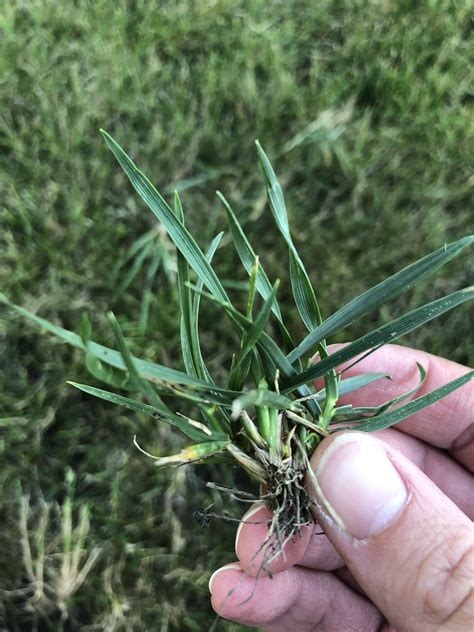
[
  {"x": 403, "y": 412},
  {"x": 303, "y": 293},
  {"x": 103, "y": 372},
  {"x": 244, "y": 324},
  {"x": 247, "y": 255},
  {"x": 180, "y": 236},
  {"x": 142, "y": 385},
  {"x": 378, "y": 295},
  {"x": 352, "y": 384},
  {"x": 185, "y": 302},
  {"x": 347, "y": 386},
  {"x": 386, "y": 333},
  {"x": 305, "y": 298},
  {"x": 374, "y": 411},
  {"x": 272, "y": 355},
  {"x": 200, "y": 364},
  {"x": 264, "y": 397},
  {"x": 107, "y": 374},
  {"x": 396, "y": 400},
  {"x": 253, "y": 288},
  {"x": 149, "y": 370},
  {"x": 189, "y": 328},
  {"x": 241, "y": 364},
  {"x": 145, "y": 409},
  {"x": 192, "y": 454},
  {"x": 254, "y": 332}
]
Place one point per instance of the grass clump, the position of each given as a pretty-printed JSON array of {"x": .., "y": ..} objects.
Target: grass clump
[
  {"x": 267, "y": 416},
  {"x": 364, "y": 106}
]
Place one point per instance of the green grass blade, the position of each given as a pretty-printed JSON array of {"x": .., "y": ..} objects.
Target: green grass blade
[
  {"x": 103, "y": 372},
  {"x": 275, "y": 195},
  {"x": 220, "y": 418},
  {"x": 200, "y": 364},
  {"x": 149, "y": 370},
  {"x": 272, "y": 354},
  {"x": 331, "y": 388},
  {"x": 374, "y": 411},
  {"x": 239, "y": 374},
  {"x": 352, "y": 384},
  {"x": 396, "y": 400},
  {"x": 347, "y": 386},
  {"x": 186, "y": 351},
  {"x": 180, "y": 236},
  {"x": 378, "y": 295},
  {"x": 308, "y": 308},
  {"x": 185, "y": 302},
  {"x": 303, "y": 294},
  {"x": 305, "y": 298},
  {"x": 382, "y": 335},
  {"x": 118, "y": 378},
  {"x": 189, "y": 328},
  {"x": 142, "y": 385},
  {"x": 244, "y": 324},
  {"x": 242, "y": 363},
  {"x": 252, "y": 289},
  {"x": 151, "y": 411},
  {"x": 264, "y": 397},
  {"x": 403, "y": 412},
  {"x": 247, "y": 255},
  {"x": 108, "y": 374},
  {"x": 254, "y": 332}
]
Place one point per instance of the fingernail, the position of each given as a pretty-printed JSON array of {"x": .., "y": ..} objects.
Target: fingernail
[
  {"x": 246, "y": 518},
  {"x": 232, "y": 566},
  {"x": 360, "y": 486}
]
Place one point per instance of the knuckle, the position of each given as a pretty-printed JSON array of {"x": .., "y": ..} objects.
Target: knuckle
[{"x": 446, "y": 581}]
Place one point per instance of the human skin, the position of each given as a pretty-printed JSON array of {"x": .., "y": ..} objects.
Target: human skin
[{"x": 396, "y": 507}]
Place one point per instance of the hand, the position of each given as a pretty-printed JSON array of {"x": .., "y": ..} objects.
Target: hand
[{"x": 396, "y": 506}]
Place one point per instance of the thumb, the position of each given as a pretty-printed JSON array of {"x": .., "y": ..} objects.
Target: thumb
[{"x": 408, "y": 546}]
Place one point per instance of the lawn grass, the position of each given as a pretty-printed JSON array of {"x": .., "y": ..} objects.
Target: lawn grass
[{"x": 363, "y": 108}]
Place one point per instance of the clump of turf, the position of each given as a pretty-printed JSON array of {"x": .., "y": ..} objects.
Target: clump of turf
[{"x": 267, "y": 417}]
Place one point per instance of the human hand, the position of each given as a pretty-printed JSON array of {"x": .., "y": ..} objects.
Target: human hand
[{"x": 396, "y": 506}]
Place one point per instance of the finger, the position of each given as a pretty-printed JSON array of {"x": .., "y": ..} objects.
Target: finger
[
  {"x": 257, "y": 552},
  {"x": 451, "y": 478},
  {"x": 320, "y": 554},
  {"x": 448, "y": 423},
  {"x": 406, "y": 544},
  {"x": 314, "y": 550},
  {"x": 297, "y": 599}
]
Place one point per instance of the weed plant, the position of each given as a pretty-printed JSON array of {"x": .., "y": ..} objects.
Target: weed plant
[
  {"x": 365, "y": 111},
  {"x": 267, "y": 416}
]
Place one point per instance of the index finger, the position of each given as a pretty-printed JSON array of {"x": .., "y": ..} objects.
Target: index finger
[{"x": 447, "y": 424}]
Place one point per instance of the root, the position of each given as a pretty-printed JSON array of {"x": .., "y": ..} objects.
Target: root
[
  {"x": 289, "y": 502},
  {"x": 284, "y": 494}
]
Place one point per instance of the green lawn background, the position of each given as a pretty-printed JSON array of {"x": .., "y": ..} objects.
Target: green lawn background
[{"x": 363, "y": 108}]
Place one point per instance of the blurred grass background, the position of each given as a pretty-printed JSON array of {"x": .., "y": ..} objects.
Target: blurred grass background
[{"x": 363, "y": 108}]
